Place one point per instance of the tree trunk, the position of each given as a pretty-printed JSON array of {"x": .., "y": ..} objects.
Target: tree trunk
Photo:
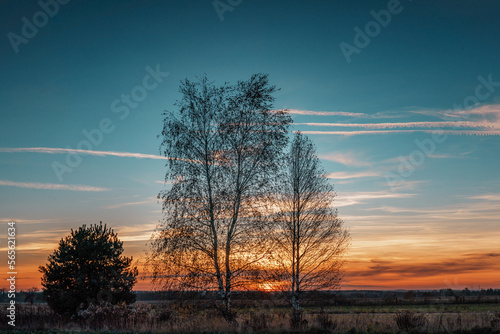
[
  {"x": 296, "y": 312},
  {"x": 226, "y": 309}
]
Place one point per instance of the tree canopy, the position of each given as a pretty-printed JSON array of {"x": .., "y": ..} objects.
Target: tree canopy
[
  {"x": 310, "y": 240},
  {"x": 224, "y": 144},
  {"x": 239, "y": 203},
  {"x": 88, "y": 267}
]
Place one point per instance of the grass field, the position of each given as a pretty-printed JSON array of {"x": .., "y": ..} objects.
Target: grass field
[
  {"x": 437, "y": 308},
  {"x": 157, "y": 318}
]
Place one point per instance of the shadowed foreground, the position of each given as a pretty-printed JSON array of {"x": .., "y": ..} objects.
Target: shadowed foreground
[{"x": 156, "y": 318}]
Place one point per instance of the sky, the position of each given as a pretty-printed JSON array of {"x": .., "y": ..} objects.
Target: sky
[{"x": 401, "y": 99}]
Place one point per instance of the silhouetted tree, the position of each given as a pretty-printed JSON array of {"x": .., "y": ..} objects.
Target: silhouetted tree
[
  {"x": 88, "y": 267},
  {"x": 309, "y": 238},
  {"x": 224, "y": 145}
]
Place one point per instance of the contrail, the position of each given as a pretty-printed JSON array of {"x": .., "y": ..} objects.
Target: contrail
[
  {"x": 51, "y": 150},
  {"x": 465, "y": 124},
  {"x": 50, "y": 186},
  {"x": 326, "y": 113},
  {"x": 383, "y": 132}
]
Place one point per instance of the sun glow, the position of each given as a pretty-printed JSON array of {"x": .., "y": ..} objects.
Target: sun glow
[{"x": 271, "y": 286}]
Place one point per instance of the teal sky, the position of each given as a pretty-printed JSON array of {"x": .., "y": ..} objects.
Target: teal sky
[{"x": 430, "y": 66}]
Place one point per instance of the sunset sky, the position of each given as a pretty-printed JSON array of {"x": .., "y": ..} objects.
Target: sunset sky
[{"x": 402, "y": 100}]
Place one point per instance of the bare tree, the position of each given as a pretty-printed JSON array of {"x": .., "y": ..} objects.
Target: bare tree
[
  {"x": 224, "y": 145},
  {"x": 310, "y": 239}
]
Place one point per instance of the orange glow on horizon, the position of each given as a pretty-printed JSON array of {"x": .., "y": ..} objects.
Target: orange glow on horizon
[
  {"x": 374, "y": 262},
  {"x": 359, "y": 275},
  {"x": 270, "y": 286}
]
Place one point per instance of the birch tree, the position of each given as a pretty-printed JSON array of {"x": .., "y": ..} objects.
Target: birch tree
[
  {"x": 310, "y": 239},
  {"x": 224, "y": 146}
]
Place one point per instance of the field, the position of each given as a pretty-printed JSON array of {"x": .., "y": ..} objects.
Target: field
[{"x": 469, "y": 316}]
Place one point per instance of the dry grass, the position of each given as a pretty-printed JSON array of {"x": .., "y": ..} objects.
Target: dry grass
[{"x": 157, "y": 318}]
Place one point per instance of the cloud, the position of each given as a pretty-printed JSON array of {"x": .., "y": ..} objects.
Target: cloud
[
  {"x": 342, "y": 113},
  {"x": 480, "y": 121},
  {"x": 51, "y": 150},
  {"x": 442, "y": 156},
  {"x": 178, "y": 178},
  {"x": 347, "y": 175},
  {"x": 487, "y": 197},
  {"x": 445, "y": 220},
  {"x": 120, "y": 205},
  {"x": 50, "y": 186},
  {"x": 408, "y": 185},
  {"x": 326, "y": 113},
  {"x": 461, "y": 155},
  {"x": 346, "y": 199},
  {"x": 489, "y": 113},
  {"x": 457, "y": 124},
  {"x": 363, "y": 286},
  {"x": 27, "y": 221},
  {"x": 393, "y": 209},
  {"x": 33, "y": 246},
  {"x": 375, "y": 195},
  {"x": 141, "y": 232},
  {"x": 459, "y": 265},
  {"x": 345, "y": 158},
  {"x": 385, "y": 132},
  {"x": 484, "y": 117}
]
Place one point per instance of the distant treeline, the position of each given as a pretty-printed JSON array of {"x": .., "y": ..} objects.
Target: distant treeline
[
  {"x": 153, "y": 295},
  {"x": 245, "y": 299},
  {"x": 344, "y": 297}
]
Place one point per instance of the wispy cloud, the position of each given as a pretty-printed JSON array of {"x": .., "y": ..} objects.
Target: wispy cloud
[
  {"x": 346, "y": 199},
  {"x": 458, "y": 265},
  {"x": 393, "y": 209},
  {"x": 408, "y": 185},
  {"x": 359, "y": 196},
  {"x": 50, "y": 186},
  {"x": 457, "y": 124},
  {"x": 52, "y": 150},
  {"x": 28, "y": 221},
  {"x": 326, "y": 113},
  {"x": 487, "y": 197},
  {"x": 461, "y": 155},
  {"x": 485, "y": 209},
  {"x": 480, "y": 121},
  {"x": 178, "y": 178},
  {"x": 344, "y": 114},
  {"x": 120, "y": 205},
  {"x": 346, "y": 158},
  {"x": 384, "y": 132},
  {"x": 33, "y": 246},
  {"x": 347, "y": 175},
  {"x": 141, "y": 232},
  {"x": 490, "y": 113}
]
